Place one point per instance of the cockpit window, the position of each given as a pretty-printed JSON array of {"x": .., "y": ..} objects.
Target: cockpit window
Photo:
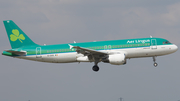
[{"x": 166, "y": 42}]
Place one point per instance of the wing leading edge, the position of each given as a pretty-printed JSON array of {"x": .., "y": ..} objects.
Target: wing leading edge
[{"x": 87, "y": 51}]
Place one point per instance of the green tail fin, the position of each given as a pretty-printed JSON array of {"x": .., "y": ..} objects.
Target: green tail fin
[{"x": 17, "y": 37}]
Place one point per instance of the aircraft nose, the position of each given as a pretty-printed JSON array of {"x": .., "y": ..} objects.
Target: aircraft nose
[{"x": 175, "y": 48}]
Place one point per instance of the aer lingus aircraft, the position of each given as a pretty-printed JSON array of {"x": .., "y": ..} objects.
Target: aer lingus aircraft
[{"x": 114, "y": 52}]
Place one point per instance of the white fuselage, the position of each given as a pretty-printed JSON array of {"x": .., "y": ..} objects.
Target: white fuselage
[{"x": 150, "y": 51}]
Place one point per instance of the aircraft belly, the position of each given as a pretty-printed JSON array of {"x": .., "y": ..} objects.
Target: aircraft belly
[
  {"x": 52, "y": 58},
  {"x": 66, "y": 57},
  {"x": 32, "y": 57},
  {"x": 135, "y": 52},
  {"x": 148, "y": 51},
  {"x": 59, "y": 58},
  {"x": 143, "y": 52}
]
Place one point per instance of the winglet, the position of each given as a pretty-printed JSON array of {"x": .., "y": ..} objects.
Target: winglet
[{"x": 70, "y": 46}]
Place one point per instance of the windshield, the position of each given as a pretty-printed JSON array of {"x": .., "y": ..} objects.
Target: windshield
[{"x": 166, "y": 42}]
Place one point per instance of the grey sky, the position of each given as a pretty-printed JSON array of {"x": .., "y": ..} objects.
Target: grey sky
[{"x": 65, "y": 21}]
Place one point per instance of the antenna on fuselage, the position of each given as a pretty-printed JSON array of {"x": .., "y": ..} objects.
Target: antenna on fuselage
[
  {"x": 74, "y": 41},
  {"x": 150, "y": 36}
]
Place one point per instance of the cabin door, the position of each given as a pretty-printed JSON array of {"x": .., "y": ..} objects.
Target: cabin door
[
  {"x": 38, "y": 52},
  {"x": 153, "y": 44}
]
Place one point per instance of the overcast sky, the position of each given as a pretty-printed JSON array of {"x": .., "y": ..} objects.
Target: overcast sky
[{"x": 65, "y": 21}]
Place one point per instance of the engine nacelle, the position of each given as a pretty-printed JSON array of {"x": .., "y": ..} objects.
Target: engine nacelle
[{"x": 115, "y": 59}]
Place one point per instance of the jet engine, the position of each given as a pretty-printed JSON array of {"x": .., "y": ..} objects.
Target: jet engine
[{"x": 115, "y": 59}]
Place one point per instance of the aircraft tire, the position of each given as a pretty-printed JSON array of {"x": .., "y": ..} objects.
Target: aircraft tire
[
  {"x": 95, "y": 68},
  {"x": 155, "y": 64}
]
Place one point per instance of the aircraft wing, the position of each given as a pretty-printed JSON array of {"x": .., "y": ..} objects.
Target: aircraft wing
[
  {"x": 87, "y": 51},
  {"x": 16, "y": 52}
]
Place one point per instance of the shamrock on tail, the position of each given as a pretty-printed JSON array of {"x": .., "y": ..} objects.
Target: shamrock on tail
[{"x": 15, "y": 36}]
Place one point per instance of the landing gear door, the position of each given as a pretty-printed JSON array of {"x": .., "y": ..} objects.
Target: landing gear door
[
  {"x": 153, "y": 44},
  {"x": 38, "y": 52}
]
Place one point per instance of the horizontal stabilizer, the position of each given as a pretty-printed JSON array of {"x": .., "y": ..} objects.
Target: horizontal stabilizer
[{"x": 21, "y": 53}]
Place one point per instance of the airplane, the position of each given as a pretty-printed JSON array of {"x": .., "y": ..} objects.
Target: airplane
[{"x": 115, "y": 52}]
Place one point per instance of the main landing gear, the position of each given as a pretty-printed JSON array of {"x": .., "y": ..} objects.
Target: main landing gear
[
  {"x": 95, "y": 67},
  {"x": 155, "y": 64}
]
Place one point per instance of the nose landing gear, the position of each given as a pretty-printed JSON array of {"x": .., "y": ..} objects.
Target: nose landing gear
[{"x": 155, "y": 64}]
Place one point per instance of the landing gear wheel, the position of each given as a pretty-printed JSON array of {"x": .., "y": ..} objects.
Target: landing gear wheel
[
  {"x": 155, "y": 64},
  {"x": 95, "y": 68}
]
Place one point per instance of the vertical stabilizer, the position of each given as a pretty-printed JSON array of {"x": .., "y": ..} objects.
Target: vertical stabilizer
[{"x": 17, "y": 37}]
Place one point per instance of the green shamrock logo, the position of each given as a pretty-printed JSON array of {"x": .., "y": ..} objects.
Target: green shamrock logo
[{"x": 15, "y": 36}]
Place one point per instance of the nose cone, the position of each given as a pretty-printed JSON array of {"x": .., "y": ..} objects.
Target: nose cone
[{"x": 174, "y": 48}]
